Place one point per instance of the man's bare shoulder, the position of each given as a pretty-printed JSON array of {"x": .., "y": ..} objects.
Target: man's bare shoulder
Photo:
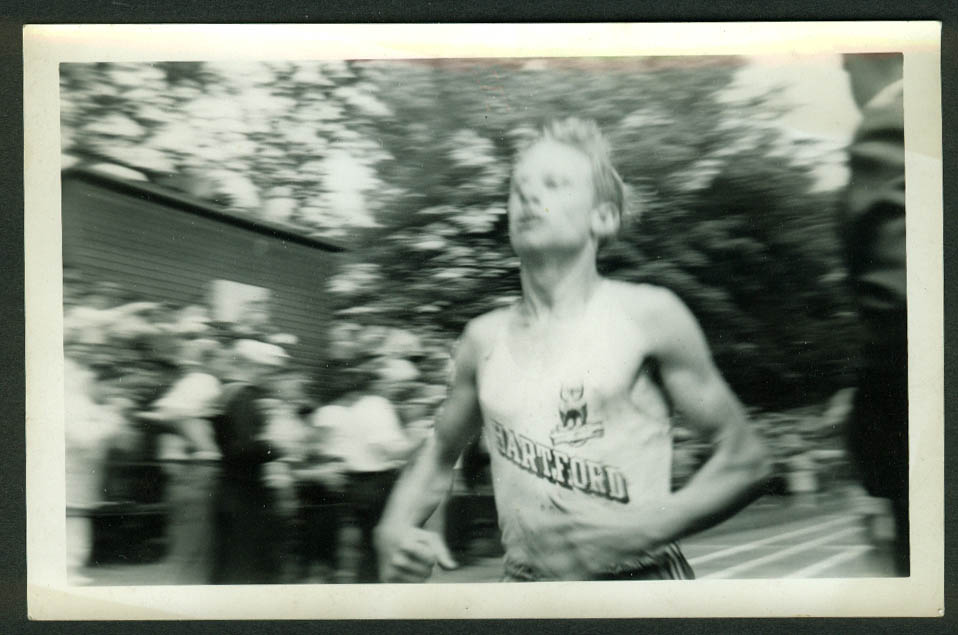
[
  {"x": 647, "y": 302},
  {"x": 476, "y": 341},
  {"x": 483, "y": 330},
  {"x": 666, "y": 322}
]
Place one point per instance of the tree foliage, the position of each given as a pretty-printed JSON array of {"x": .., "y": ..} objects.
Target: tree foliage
[{"x": 408, "y": 162}]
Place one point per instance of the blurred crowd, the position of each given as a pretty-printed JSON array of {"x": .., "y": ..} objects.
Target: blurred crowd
[{"x": 206, "y": 446}]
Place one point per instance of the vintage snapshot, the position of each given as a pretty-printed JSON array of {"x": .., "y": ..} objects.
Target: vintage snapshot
[{"x": 379, "y": 323}]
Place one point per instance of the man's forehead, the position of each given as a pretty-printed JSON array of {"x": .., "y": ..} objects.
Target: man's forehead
[{"x": 548, "y": 154}]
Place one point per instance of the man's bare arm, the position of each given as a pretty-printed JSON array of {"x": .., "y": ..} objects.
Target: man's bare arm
[
  {"x": 406, "y": 552},
  {"x": 730, "y": 479}
]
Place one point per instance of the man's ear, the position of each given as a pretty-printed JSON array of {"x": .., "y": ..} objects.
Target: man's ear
[{"x": 605, "y": 221}]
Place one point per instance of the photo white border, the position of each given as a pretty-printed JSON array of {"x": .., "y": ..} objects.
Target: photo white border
[{"x": 49, "y": 596}]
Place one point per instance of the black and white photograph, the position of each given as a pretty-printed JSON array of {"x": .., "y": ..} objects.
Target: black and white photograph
[{"x": 465, "y": 320}]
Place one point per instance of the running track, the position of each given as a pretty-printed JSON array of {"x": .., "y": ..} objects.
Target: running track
[
  {"x": 807, "y": 541},
  {"x": 832, "y": 545}
]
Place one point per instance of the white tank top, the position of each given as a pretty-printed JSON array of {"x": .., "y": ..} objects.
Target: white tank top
[{"x": 589, "y": 432}]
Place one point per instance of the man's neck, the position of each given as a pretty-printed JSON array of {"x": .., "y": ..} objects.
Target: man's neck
[{"x": 557, "y": 286}]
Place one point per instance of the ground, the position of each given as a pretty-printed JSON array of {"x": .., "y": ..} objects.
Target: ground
[{"x": 811, "y": 536}]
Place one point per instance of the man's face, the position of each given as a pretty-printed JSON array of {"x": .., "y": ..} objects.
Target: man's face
[{"x": 551, "y": 199}]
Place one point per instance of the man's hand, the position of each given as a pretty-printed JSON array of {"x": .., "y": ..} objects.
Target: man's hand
[{"x": 411, "y": 554}]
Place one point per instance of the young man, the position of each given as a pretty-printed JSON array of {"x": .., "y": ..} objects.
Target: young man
[{"x": 573, "y": 387}]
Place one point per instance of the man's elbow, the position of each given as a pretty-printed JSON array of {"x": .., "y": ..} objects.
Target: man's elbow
[
  {"x": 748, "y": 457},
  {"x": 759, "y": 465},
  {"x": 438, "y": 453}
]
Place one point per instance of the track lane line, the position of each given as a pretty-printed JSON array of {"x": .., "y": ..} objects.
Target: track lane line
[
  {"x": 802, "y": 546},
  {"x": 748, "y": 546},
  {"x": 832, "y": 561}
]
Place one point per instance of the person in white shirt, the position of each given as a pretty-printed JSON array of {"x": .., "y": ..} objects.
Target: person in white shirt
[
  {"x": 189, "y": 451},
  {"x": 365, "y": 433},
  {"x": 186, "y": 407},
  {"x": 92, "y": 421}
]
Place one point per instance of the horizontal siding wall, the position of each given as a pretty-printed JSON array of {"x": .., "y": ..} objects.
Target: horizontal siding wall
[{"x": 167, "y": 254}]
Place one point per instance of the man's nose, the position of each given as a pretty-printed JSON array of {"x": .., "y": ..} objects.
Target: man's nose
[{"x": 528, "y": 195}]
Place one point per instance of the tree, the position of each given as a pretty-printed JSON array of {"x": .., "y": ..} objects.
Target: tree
[
  {"x": 728, "y": 220},
  {"x": 408, "y": 162}
]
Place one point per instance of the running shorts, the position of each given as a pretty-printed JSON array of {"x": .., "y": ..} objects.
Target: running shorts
[{"x": 669, "y": 564}]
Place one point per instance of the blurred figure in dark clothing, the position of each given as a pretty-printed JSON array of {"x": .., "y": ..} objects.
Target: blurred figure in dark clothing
[
  {"x": 873, "y": 226},
  {"x": 247, "y": 532},
  {"x": 475, "y": 464}
]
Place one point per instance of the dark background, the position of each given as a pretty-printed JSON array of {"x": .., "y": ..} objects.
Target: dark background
[{"x": 12, "y": 452}]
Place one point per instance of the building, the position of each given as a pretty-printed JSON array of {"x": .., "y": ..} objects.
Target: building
[{"x": 167, "y": 246}]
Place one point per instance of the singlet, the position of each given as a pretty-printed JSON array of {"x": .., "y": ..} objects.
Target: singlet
[{"x": 587, "y": 432}]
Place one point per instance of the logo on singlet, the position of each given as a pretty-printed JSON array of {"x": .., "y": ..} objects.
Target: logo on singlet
[
  {"x": 574, "y": 426},
  {"x": 555, "y": 466}
]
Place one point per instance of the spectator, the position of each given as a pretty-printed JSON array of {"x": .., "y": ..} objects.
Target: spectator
[
  {"x": 366, "y": 434},
  {"x": 187, "y": 449},
  {"x": 320, "y": 487},
  {"x": 92, "y": 423},
  {"x": 191, "y": 401},
  {"x": 247, "y": 534},
  {"x": 873, "y": 227}
]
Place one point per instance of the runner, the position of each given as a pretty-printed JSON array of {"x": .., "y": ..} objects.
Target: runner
[{"x": 573, "y": 387}]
